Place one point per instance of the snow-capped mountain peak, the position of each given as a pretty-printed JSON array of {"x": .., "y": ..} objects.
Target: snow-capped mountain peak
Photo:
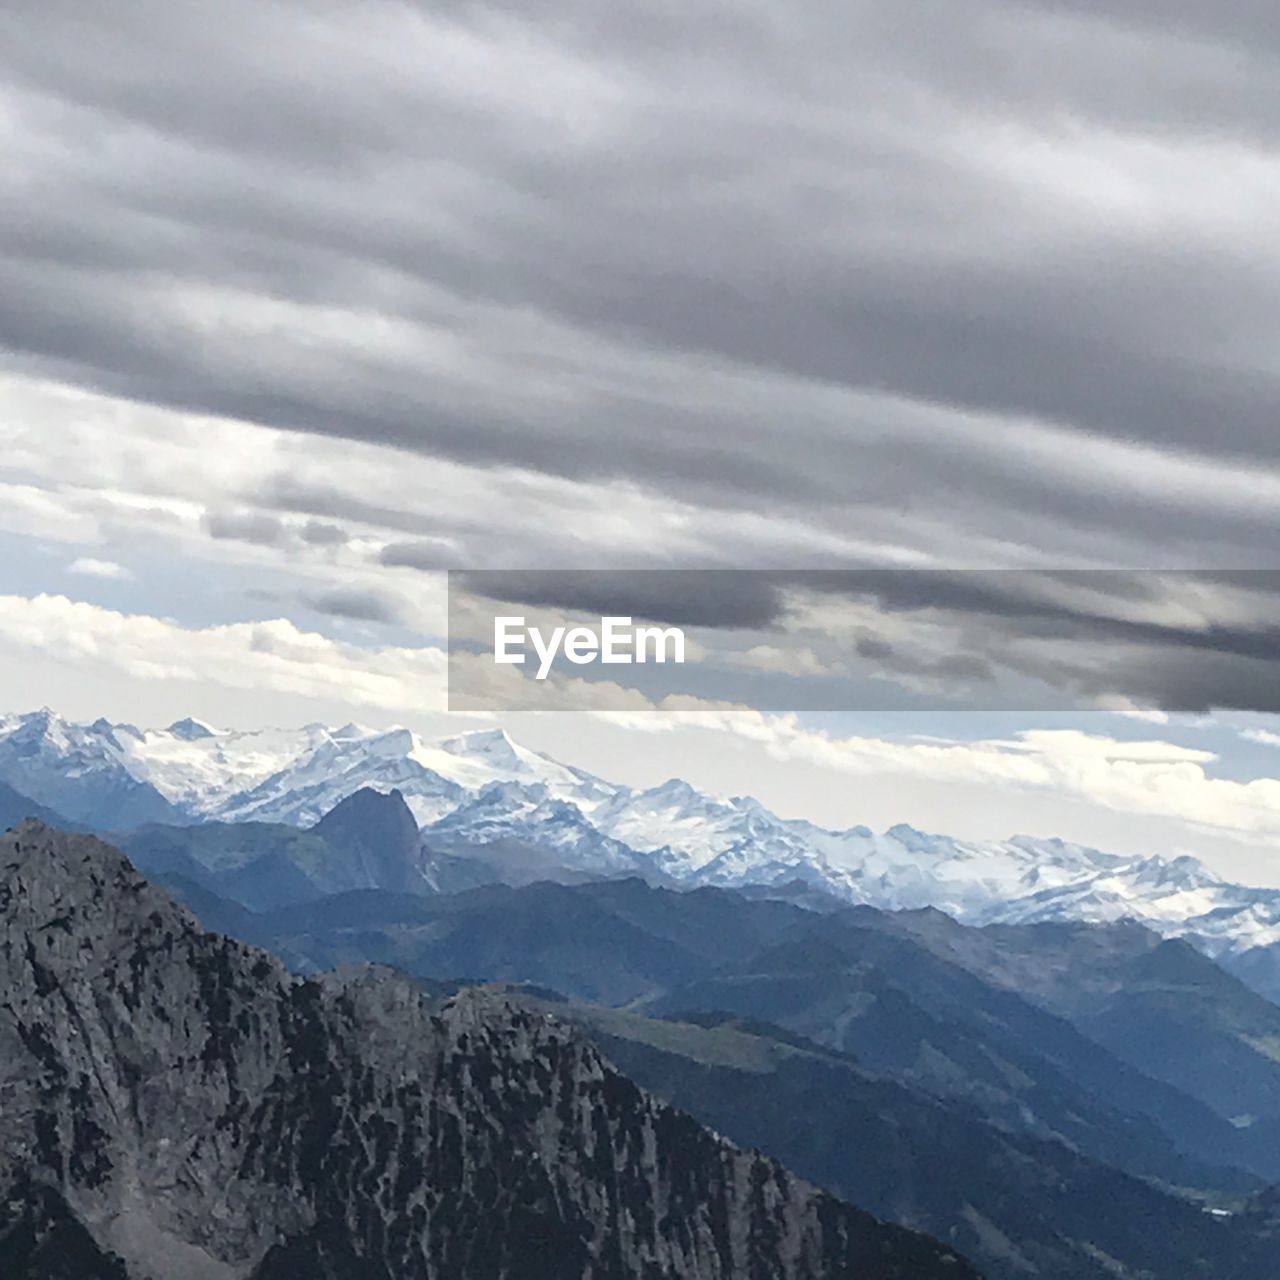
[
  {"x": 675, "y": 790},
  {"x": 473, "y": 760},
  {"x": 192, "y": 771},
  {"x": 191, "y": 729},
  {"x": 484, "y": 788},
  {"x": 493, "y": 744}
]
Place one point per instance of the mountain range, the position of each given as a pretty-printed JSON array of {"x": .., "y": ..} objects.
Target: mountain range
[
  {"x": 176, "y": 1103},
  {"x": 974, "y": 1083},
  {"x": 913, "y": 994},
  {"x": 889, "y": 1058},
  {"x": 490, "y": 810},
  {"x": 1057, "y": 1092}
]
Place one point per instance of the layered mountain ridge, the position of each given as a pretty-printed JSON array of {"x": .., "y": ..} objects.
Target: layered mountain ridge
[
  {"x": 179, "y": 1103},
  {"x": 890, "y": 1057},
  {"x": 1052, "y": 1094},
  {"x": 492, "y": 810}
]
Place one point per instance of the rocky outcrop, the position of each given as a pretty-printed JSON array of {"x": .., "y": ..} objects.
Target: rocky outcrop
[
  {"x": 377, "y": 834},
  {"x": 173, "y": 1103}
]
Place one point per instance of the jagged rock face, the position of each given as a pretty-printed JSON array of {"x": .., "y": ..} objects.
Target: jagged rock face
[
  {"x": 378, "y": 833},
  {"x": 173, "y": 1103}
]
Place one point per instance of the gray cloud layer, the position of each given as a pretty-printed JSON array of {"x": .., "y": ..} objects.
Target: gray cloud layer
[
  {"x": 1010, "y": 638},
  {"x": 983, "y": 283},
  {"x": 245, "y": 526},
  {"x": 549, "y": 243},
  {"x": 357, "y": 604}
]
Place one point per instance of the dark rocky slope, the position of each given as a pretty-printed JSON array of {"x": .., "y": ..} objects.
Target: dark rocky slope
[
  {"x": 1023, "y": 1208},
  {"x": 175, "y": 1103}
]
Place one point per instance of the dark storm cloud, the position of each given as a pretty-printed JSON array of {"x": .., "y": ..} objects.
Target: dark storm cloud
[
  {"x": 1050, "y": 603},
  {"x": 415, "y": 555},
  {"x": 359, "y": 604},
  {"x": 245, "y": 526},
  {"x": 694, "y": 598},
  {"x": 1178, "y": 641},
  {"x": 317, "y": 533},
  {"x": 774, "y": 259},
  {"x": 284, "y": 492}
]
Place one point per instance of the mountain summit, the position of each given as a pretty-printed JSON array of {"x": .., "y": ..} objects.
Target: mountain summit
[{"x": 379, "y": 830}]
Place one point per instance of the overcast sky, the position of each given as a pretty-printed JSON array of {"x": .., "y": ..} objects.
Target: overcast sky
[{"x": 302, "y": 304}]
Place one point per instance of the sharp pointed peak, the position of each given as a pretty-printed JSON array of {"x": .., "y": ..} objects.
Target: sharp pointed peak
[
  {"x": 675, "y": 787},
  {"x": 190, "y": 729},
  {"x": 367, "y": 803}
]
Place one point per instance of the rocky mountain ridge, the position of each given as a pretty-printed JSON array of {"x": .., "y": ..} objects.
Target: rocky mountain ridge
[{"x": 178, "y": 1103}]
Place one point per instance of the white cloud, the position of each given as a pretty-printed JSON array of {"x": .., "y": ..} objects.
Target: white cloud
[
  {"x": 1119, "y": 705},
  {"x": 1075, "y": 743},
  {"x": 1149, "y": 777},
  {"x": 92, "y": 568},
  {"x": 1153, "y": 779},
  {"x": 271, "y": 656}
]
